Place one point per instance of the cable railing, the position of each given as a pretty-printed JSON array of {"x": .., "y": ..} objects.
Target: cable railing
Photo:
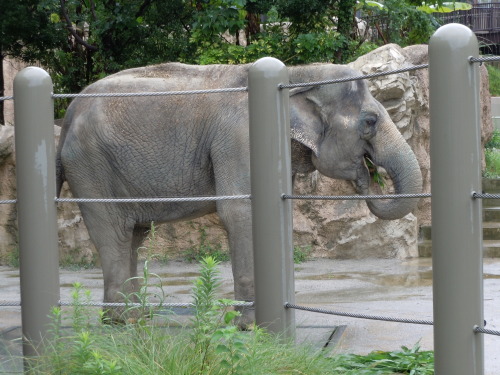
[{"x": 451, "y": 266}]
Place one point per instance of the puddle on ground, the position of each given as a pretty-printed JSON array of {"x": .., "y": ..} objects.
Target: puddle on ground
[
  {"x": 351, "y": 295},
  {"x": 327, "y": 276},
  {"x": 167, "y": 275},
  {"x": 184, "y": 291},
  {"x": 177, "y": 282},
  {"x": 414, "y": 279},
  {"x": 491, "y": 276},
  {"x": 423, "y": 278}
]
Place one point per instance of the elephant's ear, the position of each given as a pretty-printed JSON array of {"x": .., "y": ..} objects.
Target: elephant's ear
[{"x": 306, "y": 126}]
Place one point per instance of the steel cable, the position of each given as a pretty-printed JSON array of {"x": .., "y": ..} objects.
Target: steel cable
[
  {"x": 354, "y": 78},
  {"x": 483, "y": 59},
  {"x": 356, "y": 197},
  {"x": 158, "y": 93},
  {"x": 124, "y": 304},
  {"x": 485, "y": 196},
  {"x": 8, "y": 201},
  {"x": 152, "y": 200},
  {"x": 154, "y": 304},
  {"x": 359, "y": 316},
  {"x": 486, "y": 331},
  {"x": 235, "y": 197}
]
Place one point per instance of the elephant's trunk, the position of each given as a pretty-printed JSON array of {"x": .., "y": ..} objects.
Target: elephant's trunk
[{"x": 395, "y": 155}]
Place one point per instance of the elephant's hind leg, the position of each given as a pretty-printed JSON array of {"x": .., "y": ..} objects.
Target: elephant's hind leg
[{"x": 116, "y": 240}]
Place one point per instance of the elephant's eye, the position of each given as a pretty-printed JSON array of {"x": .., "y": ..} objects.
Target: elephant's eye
[
  {"x": 370, "y": 121},
  {"x": 368, "y": 126}
]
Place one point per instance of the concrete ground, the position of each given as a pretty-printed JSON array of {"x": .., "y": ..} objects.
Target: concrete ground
[{"x": 385, "y": 287}]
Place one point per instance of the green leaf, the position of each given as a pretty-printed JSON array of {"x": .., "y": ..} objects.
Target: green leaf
[
  {"x": 221, "y": 348},
  {"x": 54, "y": 18},
  {"x": 230, "y": 316}
]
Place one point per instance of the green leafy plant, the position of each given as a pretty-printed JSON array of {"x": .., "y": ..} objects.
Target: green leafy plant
[
  {"x": 150, "y": 291},
  {"x": 494, "y": 79},
  {"x": 80, "y": 299},
  {"x": 151, "y": 250},
  {"x": 494, "y": 142},
  {"x": 211, "y": 334},
  {"x": 405, "y": 361},
  {"x": 492, "y": 156},
  {"x": 150, "y": 287},
  {"x": 12, "y": 257},
  {"x": 301, "y": 253},
  {"x": 74, "y": 261}
]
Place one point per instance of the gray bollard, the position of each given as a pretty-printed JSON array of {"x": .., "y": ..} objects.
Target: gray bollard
[
  {"x": 36, "y": 209},
  {"x": 456, "y": 217},
  {"x": 271, "y": 177}
]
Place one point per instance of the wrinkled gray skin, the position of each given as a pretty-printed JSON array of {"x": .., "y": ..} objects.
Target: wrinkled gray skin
[{"x": 198, "y": 145}]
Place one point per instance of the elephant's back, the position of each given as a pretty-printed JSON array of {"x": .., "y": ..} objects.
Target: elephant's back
[{"x": 173, "y": 77}]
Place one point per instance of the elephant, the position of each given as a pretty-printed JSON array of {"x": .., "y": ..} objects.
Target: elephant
[{"x": 198, "y": 145}]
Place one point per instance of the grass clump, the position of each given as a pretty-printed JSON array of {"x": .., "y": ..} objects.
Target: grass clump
[
  {"x": 301, "y": 253},
  {"x": 494, "y": 78},
  {"x": 12, "y": 257},
  {"x": 205, "y": 248},
  {"x": 492, "y": 156},
  {"x": 81, "y": 344}
]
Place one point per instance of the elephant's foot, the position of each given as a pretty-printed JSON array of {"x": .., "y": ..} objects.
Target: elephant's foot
[{"x": 246, "y": 320}]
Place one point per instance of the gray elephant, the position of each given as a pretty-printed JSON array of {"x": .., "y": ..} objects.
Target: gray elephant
[{"x": 171, "y": 146}]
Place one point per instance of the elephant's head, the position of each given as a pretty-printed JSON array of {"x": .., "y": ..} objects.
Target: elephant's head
[{"x": 335, "y": 127}]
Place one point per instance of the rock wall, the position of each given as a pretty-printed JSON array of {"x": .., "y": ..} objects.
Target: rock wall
[{"x": 334, "y": 229}]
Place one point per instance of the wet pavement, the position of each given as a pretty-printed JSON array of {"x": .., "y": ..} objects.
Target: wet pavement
[{"x": 385, "y": 287}]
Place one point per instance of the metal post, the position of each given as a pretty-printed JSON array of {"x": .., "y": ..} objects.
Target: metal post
[
  {"x": 271, "y": 177},
  {"x": 456, "y": 217},
  {"x": 36, "y": 209}
]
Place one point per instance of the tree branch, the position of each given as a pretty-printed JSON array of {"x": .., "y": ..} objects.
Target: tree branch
[
  {"x": 92, "y": 10},
  {"x": 69, "y": 26},
  {"x": 143, "y": 8}
]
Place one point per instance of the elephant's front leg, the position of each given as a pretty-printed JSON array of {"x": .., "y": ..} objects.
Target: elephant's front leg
[{"x": 236, "y": 216}]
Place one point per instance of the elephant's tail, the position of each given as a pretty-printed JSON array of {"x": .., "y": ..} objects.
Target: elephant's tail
[{"x": 60, "y": 176}]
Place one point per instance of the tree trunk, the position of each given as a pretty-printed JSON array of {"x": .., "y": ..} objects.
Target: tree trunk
[
  {"x": 253, "y": 26},
  {"x": 344, "y": 23}
]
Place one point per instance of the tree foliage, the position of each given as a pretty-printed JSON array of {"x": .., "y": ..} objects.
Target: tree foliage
[{"x": 80, "y": 41}]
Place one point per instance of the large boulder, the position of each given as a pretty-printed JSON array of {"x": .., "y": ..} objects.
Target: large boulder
[
  {"x": 10, "y": 68},
  {"x": 333, "y": 229}
]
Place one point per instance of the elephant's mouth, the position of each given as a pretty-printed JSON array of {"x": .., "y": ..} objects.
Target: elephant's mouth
[
  {"x": 372, "y": 178},
  {"x": 376, "y": 179}
]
